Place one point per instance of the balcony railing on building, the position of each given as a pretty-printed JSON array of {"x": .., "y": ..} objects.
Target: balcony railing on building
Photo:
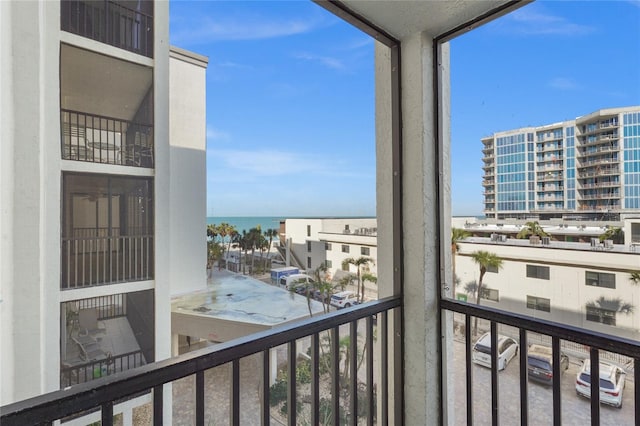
[
  {"x": 111, "y": 22},
  {"x": 94, "y": 260},
  {"x": 98, "y": 139},
  {"x": 351, "y": 372}
]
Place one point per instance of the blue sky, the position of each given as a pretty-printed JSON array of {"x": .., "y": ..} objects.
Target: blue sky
[{"x": 290, "y": 95}]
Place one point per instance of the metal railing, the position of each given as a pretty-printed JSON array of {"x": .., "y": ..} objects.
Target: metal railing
[
  {"x": 112, "y": 364},
  {"x": 344, "y": 405},
  {"x": 107, "y": 307},
  {"x": 109, "y": 22},
  {"x": 100, "y": 139},
  {"x": 93, "y": 261},
  {"x": 556, "y": 332}
]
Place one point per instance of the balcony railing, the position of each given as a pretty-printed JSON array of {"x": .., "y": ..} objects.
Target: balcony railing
[
  {"x": 98, "y": 139},
  {"x": 109, "y": 22},
  {"x": 559, "y": 335},
  {"x": 76, "y": 374},
  {"x": 92, "y": 261},
  {"x": 349, "y": 393}
]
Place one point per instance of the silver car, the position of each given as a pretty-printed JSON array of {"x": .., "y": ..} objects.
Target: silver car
[
  {"x": 612, "y": 379},
  {"x": 507, "y": 349}
]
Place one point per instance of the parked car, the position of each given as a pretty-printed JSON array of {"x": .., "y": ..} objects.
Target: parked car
[
  {"x": 344, "y": 299},
  {"x": 507, "y": 349},
  {"x": 540, "y": 364},
  {"x": 612, "y": 379}
]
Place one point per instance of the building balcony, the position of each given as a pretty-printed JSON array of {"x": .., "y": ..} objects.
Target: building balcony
[
  {"x": 604, "y": 171},
  {"x": 94, "y": 261},
  {"x": 550, "y": 177},
  {"x": 586, "y": 152},
  {"x": 550, "y": 167},
  {"x": 583, "y": 163},
  {"x": 602, "y": 195},
  {"x": 602, "y": 139},
  {"x": 344, "y": 395},
  {"x": 111, "y": 22},
  {"x": 609, "y": 184},
  {"x": 97, "y": 139}
]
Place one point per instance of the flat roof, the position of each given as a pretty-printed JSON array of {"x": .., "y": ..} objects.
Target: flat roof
[{"x": 240, "y": 298}]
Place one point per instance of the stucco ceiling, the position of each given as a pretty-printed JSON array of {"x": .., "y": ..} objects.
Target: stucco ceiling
[
  {"x": 401, "y": 18},
  {"x": 102, "y": 85}
]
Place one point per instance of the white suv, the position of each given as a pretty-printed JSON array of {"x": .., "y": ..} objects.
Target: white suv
[
  {"x": 612, "y": 380},
  {"x": 344, "y": 299}
]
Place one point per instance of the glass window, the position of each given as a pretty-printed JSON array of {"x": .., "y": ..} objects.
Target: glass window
[
  {"x": 490, "y": 294},
  {"x": 328, "y": 263},
  {"x": 308, "y": 246},
  {"x": 327, "y": 246},
  {"x": 538, "y": 303},
  {"x": 308, "y": 230},
  {"x": 536, "y": 271},
  {"x": 600, "y": 315},
  {"x": 308, "y": 262},
  {"x": 345, "y": 248},
  {"x": 600, "y": 279},
  {"x": 364, "y": 251}
]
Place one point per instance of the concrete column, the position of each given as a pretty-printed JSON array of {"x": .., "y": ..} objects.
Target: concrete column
[{"x": 420, "y": 220}]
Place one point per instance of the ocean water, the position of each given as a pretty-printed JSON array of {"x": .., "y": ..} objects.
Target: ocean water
[{"x": 248, "y": 222}]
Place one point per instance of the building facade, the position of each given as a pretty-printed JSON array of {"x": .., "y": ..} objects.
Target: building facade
[
  {"x": 587, "y": 168},
  {"x": 97, "y": 146},
  {"x": 329, "y": 242}
]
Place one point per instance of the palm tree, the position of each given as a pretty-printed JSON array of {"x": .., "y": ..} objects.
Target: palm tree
[
  {"x": 368, "y": 277},
  {"x": 254, "y": 242},
  {"x": 270, "y": 234},
  {"x": 358, "y": 263},
  {"x": 457, "y": 234},
  {"x": 484, "y": 260},
  {"x": 612, "y": 233},
  {"x": 634, "y": 277},
  {"x": 531, "y": 228}
]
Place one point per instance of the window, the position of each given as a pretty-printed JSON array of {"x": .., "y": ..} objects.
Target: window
[
  {"x": 308, "y": 262},
  {"x": 309, "y": 246},
  {"x": 328, "y": 264},
  {"x": 346, "y": 229},
  {"x": 539, "y": 303},
  {"x": 536, "y": 271},
  {"x": 364, "y": 251},
  {"x": 308, "y": 230},
  {"x": 600, "y": 315},
  {"x": 327, "y": 246},
  {"x": 345, "y": 267},
  {"x": 493, "y": 269},
  {"x": 490, "y": 294},
  {"x": 600, "y": 279},
  {"x": 345, "y": 248}
]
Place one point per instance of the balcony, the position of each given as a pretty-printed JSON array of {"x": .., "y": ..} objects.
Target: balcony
[
  {"x": 517, "y": 401},
  {"x": 349, "y": 358},
  {"x": 111, "y": 22},
  {"x": 93, "y": 261},
  {"x": 98, "y": 139}
]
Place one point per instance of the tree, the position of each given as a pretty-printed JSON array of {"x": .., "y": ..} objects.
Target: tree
[
  {"x": 270, "y": 234},
  {"x": 484, "y": 260},
  {"x": 634, "y": 277},
  {"x": 612, "y": 233},
  {"x": 358, "y": 263},
  {"x": 531, "y": 228},
  {"x": 457, "y": 235},
  {"x": 254, "y": 242},
  {"x": 368, "y": 277}
]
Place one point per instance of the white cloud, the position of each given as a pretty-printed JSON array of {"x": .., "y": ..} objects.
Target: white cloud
[
  {"x": 208, "y": 29},
  {"x": 529, "y": 21},
  {"x": 563, "y": 83},
  {"x": 255, "y": 164},
  {"x": 216, "y": 135},
  {"x": 327, "y": 61}
]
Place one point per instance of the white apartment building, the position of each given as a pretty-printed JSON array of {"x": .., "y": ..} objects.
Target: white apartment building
[
  {"x": 587, "y": 168},
  {"x": 313, "y": 242},
  {"x": 102, "y": 184}
]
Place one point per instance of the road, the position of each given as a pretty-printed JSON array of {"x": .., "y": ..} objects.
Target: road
[{"x": 576, "y": 410}]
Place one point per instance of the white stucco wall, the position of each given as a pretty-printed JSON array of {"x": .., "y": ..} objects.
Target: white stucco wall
[
  {"x": 565, "y": 288},
  {"x": 187, "y": 98}
]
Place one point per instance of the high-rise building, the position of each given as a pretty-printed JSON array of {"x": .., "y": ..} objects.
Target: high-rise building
[
  {"x": 587, "y": 168},
  {"x": 103, "y": 158}
]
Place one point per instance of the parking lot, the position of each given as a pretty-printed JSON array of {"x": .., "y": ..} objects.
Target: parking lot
[{"x": 575, "y": 409}]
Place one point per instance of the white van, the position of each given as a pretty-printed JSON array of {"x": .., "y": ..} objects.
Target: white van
[{"x": 295, "y": 279}]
